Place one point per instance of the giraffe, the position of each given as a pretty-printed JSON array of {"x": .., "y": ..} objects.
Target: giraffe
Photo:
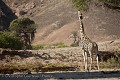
[{"x": 89, "y": 47}]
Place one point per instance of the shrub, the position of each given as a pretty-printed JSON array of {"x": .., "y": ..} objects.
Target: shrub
[
  {"x": 119, "y": 60},
  {"x": 45, "y": 46},
  {"x": 22, "y": 12},
  {"x": 85, "y": 4},
  {"x": 22, "y": 24},
  {"x": 60, "y": 45},
  {"x": 10, "y": 40},
  {"x": 37, "y": 47},
  {"x": 75, "y": 44},
  {"x": 81, "y": 4},
  {"x": 25, "y": 28},
  {"x": 111, "y": 63}
]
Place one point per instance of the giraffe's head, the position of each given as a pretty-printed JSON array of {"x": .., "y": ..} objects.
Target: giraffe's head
[{"x": 81, "y": 16}]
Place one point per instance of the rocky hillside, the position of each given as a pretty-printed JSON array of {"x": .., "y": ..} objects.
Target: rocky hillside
[
  {"x": 56, "y": 19},
  {"x": 6, "y": 15}
]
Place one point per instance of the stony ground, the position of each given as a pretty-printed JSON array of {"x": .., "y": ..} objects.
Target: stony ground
[
  {"x": 61, "y": 56},
  {"x": 70, "y": 56}
]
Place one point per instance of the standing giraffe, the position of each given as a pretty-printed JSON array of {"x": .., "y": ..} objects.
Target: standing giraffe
[{"x": 90, "y": 49}]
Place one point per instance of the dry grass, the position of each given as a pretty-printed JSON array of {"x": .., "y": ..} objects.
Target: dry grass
[
  {"x": 49, "y": 46},
  {"x": 26, "y": 61}
]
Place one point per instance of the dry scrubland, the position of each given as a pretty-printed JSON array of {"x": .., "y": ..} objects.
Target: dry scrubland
[
  {"x": 58, "y": 59},
  {"x": 59, "y": 63},
  {"x": 56, "y": 20}
]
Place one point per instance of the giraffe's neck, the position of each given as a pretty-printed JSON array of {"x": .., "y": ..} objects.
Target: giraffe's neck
[
  {"x": 82, "y": 33},
  {"x": 83, "y": 36}
]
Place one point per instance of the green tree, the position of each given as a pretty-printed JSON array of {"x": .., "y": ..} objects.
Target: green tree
[
  {"x": 81, "y": 4},
  {"x": 22, "y": 25},
  {"x": 10, "y": 40},
  {"x": 25, "y": 28},
  {"x": 84, "y": 4}
]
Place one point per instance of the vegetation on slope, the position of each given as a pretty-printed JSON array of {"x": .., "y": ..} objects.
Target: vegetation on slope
[
  {"x": 25, "y": 29},
  {"x": 84, "y": 4},
  {"x": 22, "y": 33},
  {"x": 22, "y": 25}
]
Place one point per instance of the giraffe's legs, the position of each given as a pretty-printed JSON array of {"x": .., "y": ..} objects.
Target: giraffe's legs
[
  {"x": 86, "y": 62},
  {"x": 90, "y": 60},
  {"x": 97, "y": 62},
  {"x": 84, "y": 57}
]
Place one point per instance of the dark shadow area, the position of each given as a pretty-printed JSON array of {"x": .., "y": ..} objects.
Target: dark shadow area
[
  {"x": 111, "y": 6},
  {"x": 24, "y": 54},
  {"x": 7, "y": 15},
  {"x": 63, "y": 75},
  {"x": 105, "y": 55}
]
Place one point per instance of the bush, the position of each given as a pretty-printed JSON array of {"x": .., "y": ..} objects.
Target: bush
[
  {"x": 37, "y": 47},
  {"x": 81, "y": 4},
  {"x": 60, "y": 45},
  {"x": 75, "y": 44},
  {"x": 24, "y": 28},
  {"x": 119, "y": 60},
  {"x": 111, "y": 63},
  {"x": 22, "y": 24},
  {"x": 45, "y": 46},
  {"x": 84, "y": 4},
  {"x": 22, "y": 12},
  {"x": 9, "y": 40}
]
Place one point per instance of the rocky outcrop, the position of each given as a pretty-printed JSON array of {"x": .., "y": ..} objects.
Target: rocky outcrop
[{"x": 6, "y": 15}]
